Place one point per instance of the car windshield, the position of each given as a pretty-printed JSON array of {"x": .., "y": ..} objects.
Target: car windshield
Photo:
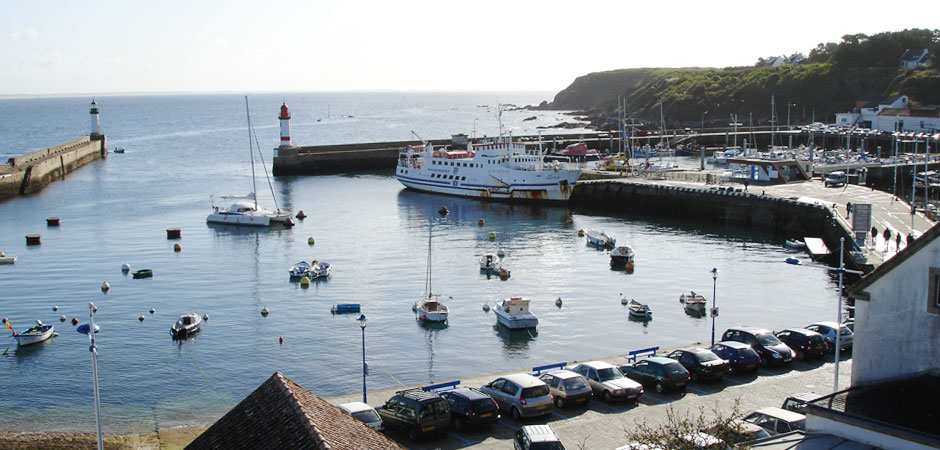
[
  {"x": 435, "y": 408},
  {"x": 674, "y": 369},
  {"x": 706, "y": 357},
  {"x": 367, "y": 416},
  {"x": 768, "y": 340},
  {"x": 610, "y": 373},
  {"x": 845, "y": 331},
  {"x": 574, "y": 383},
  {"x": 535, "y": 391}
]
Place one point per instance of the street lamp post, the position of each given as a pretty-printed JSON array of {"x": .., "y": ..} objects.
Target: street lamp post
[
  {"x": 90, "y": 329},
  {"x": 365, "y": 367},
  {"x": 714, "y": 311},
  {"x": 702, "y": 147}
]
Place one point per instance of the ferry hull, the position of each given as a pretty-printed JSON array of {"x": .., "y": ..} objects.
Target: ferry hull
[{"x": 559, "y": 192}]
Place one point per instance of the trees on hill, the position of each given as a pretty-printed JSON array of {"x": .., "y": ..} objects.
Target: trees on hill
[{"x": 879, "y": 50}]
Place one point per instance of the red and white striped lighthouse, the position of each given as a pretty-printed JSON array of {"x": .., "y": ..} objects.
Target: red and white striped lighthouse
[
  {"x": 95, "y": 125},
  {"x": 285, "y": 126}
]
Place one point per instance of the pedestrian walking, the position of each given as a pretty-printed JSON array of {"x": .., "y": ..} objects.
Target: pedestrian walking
[
  {"x": 910, "y": 238},
  {"x": 887, "y": 236},
  {"x": 848, "y": 209},
  {"x": 874, "y": 237},
  {"x": 897, "y": 241}
]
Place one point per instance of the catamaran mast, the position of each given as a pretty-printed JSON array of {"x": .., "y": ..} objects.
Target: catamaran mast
[{"x": 251, "y": 153}]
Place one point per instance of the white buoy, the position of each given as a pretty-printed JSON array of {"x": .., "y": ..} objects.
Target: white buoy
[
  {"x": 105, "y": 287},
  {"x": 558, "y": 302},
  {"x": 264, "y": 311},
  {"x": 63, "y": 318},
  {"x": 141, "y": 318},
  {"x": 500, "y": 253},
  {"x": 55, "y": 308},
  {"x": 623, "y": 300},
  {"x": 152, "y": 310},
  {"x": 486, "y": 306},
  {"x": 205, "y": 316},
  {"x": 125, "y": 267}
]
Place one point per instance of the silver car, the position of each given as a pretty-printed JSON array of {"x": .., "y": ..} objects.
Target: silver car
[
  {"x": 608, "y": 382},
  {"x": 567, "y": 387},
  {"x": 364, "y": 413},
  {"x": 521, "y": 394}
]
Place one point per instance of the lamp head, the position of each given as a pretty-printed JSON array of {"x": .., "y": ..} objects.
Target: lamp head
[
  {"x": 362, "y": 321},
  {"x": 714, "y": 272}
]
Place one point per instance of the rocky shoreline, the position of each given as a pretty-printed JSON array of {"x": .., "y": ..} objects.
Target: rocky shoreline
[{"x": 169, "y": 439}]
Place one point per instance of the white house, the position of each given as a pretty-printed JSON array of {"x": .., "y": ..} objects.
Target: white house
[
  {"x": 893, "y": 114},
  {"x": 914, "y": 57}
]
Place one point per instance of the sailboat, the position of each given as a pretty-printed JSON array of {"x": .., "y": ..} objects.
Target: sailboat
[
  {"x": 244, "y": 210},
  {"x": 429, "y": 308}
]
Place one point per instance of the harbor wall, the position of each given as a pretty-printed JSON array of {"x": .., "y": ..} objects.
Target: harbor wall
[{"x": 35, "y": 170}]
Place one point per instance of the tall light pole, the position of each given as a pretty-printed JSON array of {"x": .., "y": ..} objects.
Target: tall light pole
[
  {"x": 714, "y": 311},
  {"x": 702, "y": 147},
  {"x": 90, "y": 329},
  {"x": 365, "y": 368}
]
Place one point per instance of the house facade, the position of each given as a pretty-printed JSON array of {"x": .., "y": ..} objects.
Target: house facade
[
  {"x": 914, "y": 57},
  {"x": 893, "y": 114}
]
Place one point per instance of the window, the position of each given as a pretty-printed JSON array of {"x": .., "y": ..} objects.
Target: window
[{"x": 933, "y": 291}]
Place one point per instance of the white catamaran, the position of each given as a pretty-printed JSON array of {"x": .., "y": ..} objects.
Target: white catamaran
[
  {"x": 496, "y": 170},
  {"x": 244, "y": 210}
]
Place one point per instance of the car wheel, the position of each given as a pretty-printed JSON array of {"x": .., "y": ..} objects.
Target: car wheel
[
  {"x": 559, "y": 402},
  {"x": 694, "y": 377},
  {"x": 607, "y": 396},
  {"x": 516, "y": 414},
  {"x": 659, "y": 387},
  {"x": 458, "y": 424}
]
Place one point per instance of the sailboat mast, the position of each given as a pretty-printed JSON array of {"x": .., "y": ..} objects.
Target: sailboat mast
[
  {"x": 428, "y": 277},
  {"x": 251, "y": 153}
]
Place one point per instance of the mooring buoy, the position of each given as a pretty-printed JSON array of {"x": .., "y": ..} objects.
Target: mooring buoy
[
  {"x": 141, "y": 318},
  {"x": 177, "y": 247},
  {"x": 486, "y": 306},
  {"x": 205, "y": 316},
  {"x": 105, "y": 287},
  {"x": 264, "y": 311},
  {"x": 310, "y": 240},
  {"x": 480, "y": 222},
  {"x": 558, "y": 302},
  {"x": 55, "y": 308},
  {"x": 152, "y": 310},
  {"x": 300, "y": 215},
  {"x": 125, "y": 267},
  {"x": 305, "y": 281},
  {"x": 63, "y": 318}
]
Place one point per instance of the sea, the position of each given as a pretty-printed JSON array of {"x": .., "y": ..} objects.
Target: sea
[{"x": 185, "y": 151}]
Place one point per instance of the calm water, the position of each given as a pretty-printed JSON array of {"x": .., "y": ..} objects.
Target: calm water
[{"x": 182, "y": 149}]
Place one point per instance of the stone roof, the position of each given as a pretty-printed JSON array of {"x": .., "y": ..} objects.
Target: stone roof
[
  {"x": 280, "y": 414},
  {"x": 913, "y": 54}
]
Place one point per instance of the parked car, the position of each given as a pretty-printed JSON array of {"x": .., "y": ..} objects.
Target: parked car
[
  {"x": 797, "y": 402},
  {"x": 470, "y": 408},
  {"x": 536, "y": 437},
  {"x": 776, "y": 420},
  {"x": 806, "y": 343},
  {"x": 608, "y": 382},
  {"x": 416, "y": 413},
  {"x": 737, "y": 431},
  {"x": 770, "y": 349},
  {"x": 567, "y": 387},
  {"x": 743, "y": 358},
  {"x": 835, "y": 179},
  {"x": 521, "y": 394},
  {"x": 702, "y": 364},
  {"x": 660, "y": 372},
  {"x": 828, "y": 331},
  {"x": 365, "y": 413}
]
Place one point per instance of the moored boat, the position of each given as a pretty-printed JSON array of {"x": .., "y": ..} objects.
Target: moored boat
[
  {"x": 693, "y": 301},
  {"x": 186, "y": 325},
  {"x": 143, "y": 273},
  {"x": 622, "y": 255},
  {"x": 639, "y": 310},
  {"x": 514, "y": 313},
  {"x": 33, "y": 335},
  {"x": 429, "y": 308},
  {"x": 600, "y": 239},
  {"x": 298, "y": 270},
  {"x": 489, "y": 262}
]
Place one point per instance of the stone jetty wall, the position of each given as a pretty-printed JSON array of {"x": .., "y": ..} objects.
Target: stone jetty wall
[{"x": 35, "y": 170}]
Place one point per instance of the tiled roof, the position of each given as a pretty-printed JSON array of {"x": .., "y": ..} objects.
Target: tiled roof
[{"x": 280, "y": 414}]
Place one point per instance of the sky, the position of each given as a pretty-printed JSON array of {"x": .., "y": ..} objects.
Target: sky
[{"x": 62, "y": 47}]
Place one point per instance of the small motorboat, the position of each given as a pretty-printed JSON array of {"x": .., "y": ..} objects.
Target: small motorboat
[
  {"x": 639, "y": 310},
  {"x": 119, "y": 149},
  {"x": 600, "y": 239},
  {"x": 143, "y": 273},
  {"x": 795, "y": 244},
  {"x": 34, "y": 335},
  {"x": 7, "y": 259},
  {"x": 693, "y": 302},
  {"x": 513, "y": 313},
  {"x": 312, "y": 270},
  {"x": 622, "y": 255},
  {"x": 320, "y": 269},
  {"x": 299, "y": 270},
  {"x": 187, "y": 325},
  {"x": 489, "y": 262}
]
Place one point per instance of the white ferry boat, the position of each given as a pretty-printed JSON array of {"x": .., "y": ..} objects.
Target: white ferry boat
[{"x": 495, "y": 170}]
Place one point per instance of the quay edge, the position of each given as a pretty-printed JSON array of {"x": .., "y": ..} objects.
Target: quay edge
[{"x": 35, "y": 170}]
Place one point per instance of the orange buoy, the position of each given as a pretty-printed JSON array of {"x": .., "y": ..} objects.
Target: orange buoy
[
  {"x": 300, "y": 215},
  {"x": 280, "y": 339},
  {"x": 480, "y": 222}
]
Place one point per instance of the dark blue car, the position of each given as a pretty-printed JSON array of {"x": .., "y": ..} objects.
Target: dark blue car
[
  {"x": 743, "y": 358},
  {"x": 470, "y": 408}
]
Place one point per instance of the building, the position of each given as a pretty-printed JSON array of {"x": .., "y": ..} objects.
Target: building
[
  {"x": 280, "y": 414},
  {"x": 894, "y": 113},
  {"x": 915, "y": 57}
]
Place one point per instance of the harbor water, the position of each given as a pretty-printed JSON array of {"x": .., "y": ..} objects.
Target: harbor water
[{"x": 182, "y": 149}]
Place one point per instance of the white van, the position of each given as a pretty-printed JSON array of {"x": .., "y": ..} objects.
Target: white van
[{"x": 835, "y": 179}]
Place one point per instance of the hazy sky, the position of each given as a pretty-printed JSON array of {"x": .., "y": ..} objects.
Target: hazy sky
[{"x": 88, "y": 47}]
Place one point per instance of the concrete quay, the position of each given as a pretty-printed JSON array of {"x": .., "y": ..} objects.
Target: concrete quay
[
  {"x": 35, "y": 170},
  {"x": 798, "y": 209},
  {"x": 602, "y": 425}
]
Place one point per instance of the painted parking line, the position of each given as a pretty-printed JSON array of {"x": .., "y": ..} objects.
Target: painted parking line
[
  {"x": 463, "y": 439},
  {"x": 766, "y": 372},
  {"x": 609, "y": 407},
  {"x": 654, "y": 398},
  {"x": 514, "y": 428},
  {"x": 698, "y": 391},
  {"x": 735, "y": 380},
  {"x": 555, "y": 413}
]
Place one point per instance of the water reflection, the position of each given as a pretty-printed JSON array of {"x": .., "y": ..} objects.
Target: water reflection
[
  {"x": 27, "y": 351},
  {"x": 515, "y": 342},
  {"x": 431, "y": 330}
]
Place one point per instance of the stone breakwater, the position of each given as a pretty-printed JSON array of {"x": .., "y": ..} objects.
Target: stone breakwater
[{"x": 35, "y": 170}]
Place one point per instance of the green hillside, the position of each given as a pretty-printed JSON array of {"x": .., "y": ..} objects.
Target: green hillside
[{"x": 836, "y": 76}]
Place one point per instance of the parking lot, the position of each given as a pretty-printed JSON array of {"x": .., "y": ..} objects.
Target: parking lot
[{"x": 602, "y": 426}]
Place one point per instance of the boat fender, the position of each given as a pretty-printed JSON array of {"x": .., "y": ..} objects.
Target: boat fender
[{"x": 55, "y": 308}]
